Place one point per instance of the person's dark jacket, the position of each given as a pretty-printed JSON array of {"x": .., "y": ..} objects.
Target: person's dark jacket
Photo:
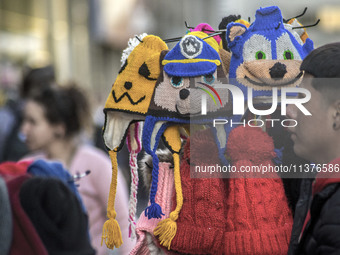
[
  {"x": 321, "y": 229},
  {"x": 300, "y": 214}
]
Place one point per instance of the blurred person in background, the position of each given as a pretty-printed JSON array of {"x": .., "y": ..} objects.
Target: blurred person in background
[
  {"x": 12, "y": 146},
  {"x": 54, "y": 121},
  {"x": 316, "y": 228}
]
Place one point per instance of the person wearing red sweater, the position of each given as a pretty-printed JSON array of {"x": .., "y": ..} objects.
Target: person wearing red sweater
[{"x": 316, "y": 138}]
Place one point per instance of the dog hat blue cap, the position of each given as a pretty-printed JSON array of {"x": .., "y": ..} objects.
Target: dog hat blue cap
[{"x": 191, "y": 57}]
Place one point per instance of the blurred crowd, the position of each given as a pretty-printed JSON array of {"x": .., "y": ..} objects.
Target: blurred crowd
[{"x": 48, "y": 129}]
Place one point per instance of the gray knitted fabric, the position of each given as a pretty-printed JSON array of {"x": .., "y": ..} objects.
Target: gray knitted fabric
[{"x": 6, "y": 229}]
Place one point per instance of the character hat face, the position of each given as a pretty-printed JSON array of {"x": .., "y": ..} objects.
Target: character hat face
[
  {"x": 195, "y": 68},
  {"x": 180, "y": 98},
  {"x": 191, "y": 61},
  {"x": 137, "y": 77},
  {"x": 191, "y": 57},
  {"x": 131, "y": 93},
  {"x": 181, "y": 87},
  {"x": 266, "y": 54}
]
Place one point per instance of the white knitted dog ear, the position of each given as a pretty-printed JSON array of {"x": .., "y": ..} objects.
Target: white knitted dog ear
[{"x": 115, "y": 128}]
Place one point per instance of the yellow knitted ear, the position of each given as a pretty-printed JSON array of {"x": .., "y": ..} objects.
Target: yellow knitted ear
[
  {"x": 111, "y": 230},
  {"x": 221, "y": 44},
  {"x": 173, "y": 138},
  {"x": 153, "y": 65},
  {"x": 225, "y": 58},
  {"x": 244, "y": 22},
  {"x": 167, "y": 228},
  {"x": 301, "y": 31}
]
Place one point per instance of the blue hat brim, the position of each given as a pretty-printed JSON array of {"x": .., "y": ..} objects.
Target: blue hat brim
[{"x": 190, "y": 69}]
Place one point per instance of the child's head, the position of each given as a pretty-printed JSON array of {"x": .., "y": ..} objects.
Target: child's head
[{"x": 317, "y": 137}]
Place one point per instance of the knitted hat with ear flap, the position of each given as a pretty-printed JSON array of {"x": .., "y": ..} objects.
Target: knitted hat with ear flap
[
  {"x": 163, "y": 105},
  {"x": 266, "y": 57},
  {"x": 127, "y": 103},
  {"x": 188, "y": 69}
]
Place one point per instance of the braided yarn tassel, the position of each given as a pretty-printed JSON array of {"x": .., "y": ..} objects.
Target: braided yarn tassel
[
  {"x": 133, "y": 195},
  {"x": 134, "y": 146},
  {"x": 111, "y": 230},
  {"x": 154, "y": 211}
]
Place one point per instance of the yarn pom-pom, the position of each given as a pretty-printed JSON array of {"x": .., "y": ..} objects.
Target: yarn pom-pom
[
  {"x": 250, "y": 143},
  {"x": 132, "y": 43}
]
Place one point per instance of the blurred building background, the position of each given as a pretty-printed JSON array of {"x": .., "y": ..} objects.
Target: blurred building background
[{"x": 83, "y": 39}]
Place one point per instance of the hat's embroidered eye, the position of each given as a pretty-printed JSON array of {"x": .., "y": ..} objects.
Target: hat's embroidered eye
[
  {"x": 260, "y": 55},
  {"x": 176, "y": 81},
  {"x": 209, "y": 79},
  {"x": 145, "y": 72},
  {"x": 287, "y": 54},
  {"x": 123, "y": 67}
]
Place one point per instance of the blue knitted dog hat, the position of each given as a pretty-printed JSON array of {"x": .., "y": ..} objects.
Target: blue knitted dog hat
[{"x": 191, "y": 69}]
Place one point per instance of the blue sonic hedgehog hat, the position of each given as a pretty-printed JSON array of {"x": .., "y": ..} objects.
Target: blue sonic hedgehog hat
[{"x": 266, "y": 55}]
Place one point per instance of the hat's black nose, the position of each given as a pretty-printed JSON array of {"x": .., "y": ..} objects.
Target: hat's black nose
[
  {"x": 278, "y": 71},
  {"x": 184, "y": 93},
  {"x": 128, "y": 85}
]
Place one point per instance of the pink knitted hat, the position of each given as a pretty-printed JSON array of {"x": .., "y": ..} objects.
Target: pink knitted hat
[
  {"x": 145, "y": 226},
  {"x": 206, "y": 28}
]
